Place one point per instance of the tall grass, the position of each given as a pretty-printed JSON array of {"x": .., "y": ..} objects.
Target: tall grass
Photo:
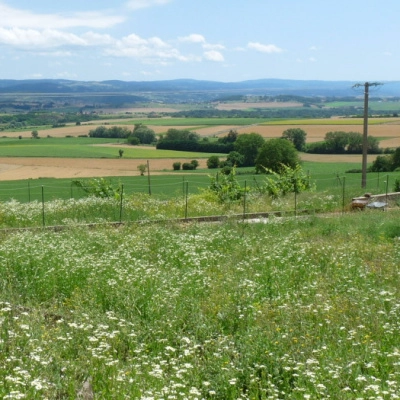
[{"x": 294, "y": 309}]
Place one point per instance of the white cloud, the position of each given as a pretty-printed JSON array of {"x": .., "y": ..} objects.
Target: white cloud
[
  {"x": 139, "y": 4},
  {"x": 213, "y": 55},
  {"x": 154, "y": 48},
  {"x": 264, "y": 48},
  {"x": 213, "y": 46},
  {"x": 97, "y": 39},
  {"x": 193, "y": 38},
  {"x": 32, "y": 38},
  {"x": 12, "y": 17}
]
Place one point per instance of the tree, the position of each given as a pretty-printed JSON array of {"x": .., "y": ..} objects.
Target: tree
[
  {"x": 248, "y": 144},
  {"x": 143, "y": 133},
  {"x": 113, "y": 132},
  {"x": 195, "y": 163},
  {"x": 235, "y": 159},
  {"x": 297, "y": 136},
  {"x": 121, "y": 153},
  {"x": 133, "y": 140},
  {"x": 181, "y": 134},
  {"x": 213, "y": 162},
  {"x": 230, "y": 137},
  {"x": 373, "y": 145},
  {"x": 396, "y": 158},
  {"x": 188, "y": 166},
  {"x": 142, "y": 168},
  {"x": 277, "y": 152},
  {"x": 35, "y": 134},
  {"x": 382, "y": 164},
  {"x": 176, "y": 166},
  {"x": 336, "y": 141},
  {"x": 355, "y": 142}
]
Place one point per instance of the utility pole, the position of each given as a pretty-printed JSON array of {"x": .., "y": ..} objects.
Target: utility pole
[{"x": 365, "y": 130}]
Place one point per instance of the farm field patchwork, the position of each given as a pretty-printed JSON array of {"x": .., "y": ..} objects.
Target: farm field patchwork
[{"x": 387, "y": 130}]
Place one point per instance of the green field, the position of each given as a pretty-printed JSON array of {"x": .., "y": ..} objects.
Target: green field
[
  {"x": 376, "y": 105},
  {"x": 297, "y": 309},
  {"x": 83, "y": 148},
  {"x": 331, "y": 121}
]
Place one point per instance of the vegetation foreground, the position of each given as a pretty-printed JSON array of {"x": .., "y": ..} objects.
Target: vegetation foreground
[{"x": 304, "y": 308}]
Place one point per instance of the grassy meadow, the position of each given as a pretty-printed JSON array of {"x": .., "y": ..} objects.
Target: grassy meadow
[
  {"x": 303, "y": 308},
  {"x": 84, "y": 147}
]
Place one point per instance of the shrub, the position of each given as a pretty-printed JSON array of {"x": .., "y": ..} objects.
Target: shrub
[
  {"x": 195, "y": 163},
  {"x": 133, "y": 140},
  {"x": 142, "y": 168},
  {"x": 227, "y": 187},
  {"x": 226, "y": 169},
  {"x": 176, "y": 166},
  {"x": 99, "y": 187},
  {"x": 188, "y": 166},
  {"x": 213, "y": 162},
  {"x": 276, "y": 153},
  {"x": 382, "y": 164},
  {"x": 396, "y": 187}
]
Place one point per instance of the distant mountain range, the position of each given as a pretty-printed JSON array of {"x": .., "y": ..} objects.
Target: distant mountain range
[{"x": 208, "y": 89}]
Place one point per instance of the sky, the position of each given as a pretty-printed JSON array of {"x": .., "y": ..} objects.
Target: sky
[{"x": 216, "y": 40}]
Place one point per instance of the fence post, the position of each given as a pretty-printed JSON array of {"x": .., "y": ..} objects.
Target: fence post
[
  {"x": 120, "y": 204},
  {"x": 186, "y": 201},
  {"x": 244, "y": 200},
  {"x": 343, "y": 193},
  {"x": 387, "y": 189},
  {"x": 148, "y": 176},
  {"x": 43, "y": 220},
  {"x": 187, "y": 195}
]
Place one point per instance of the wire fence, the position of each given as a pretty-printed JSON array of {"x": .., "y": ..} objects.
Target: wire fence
[
  {"x": 161, "y": 198},
  {"x": 169, "y": 185}
]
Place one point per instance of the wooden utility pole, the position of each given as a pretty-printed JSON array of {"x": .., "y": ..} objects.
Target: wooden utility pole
[{"x": 365, "y": 130}]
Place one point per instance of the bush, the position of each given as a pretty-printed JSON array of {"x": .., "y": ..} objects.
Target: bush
[
  {"x": 382, "y": 164},
  {"x": 195, "y": 163},
  {"x": 143, "y": 133},
  {"x": 226, "y": 169},
  {"x": 276, "y": 153},
  {"x": 176, "y": 166},
  {"x": 133, "y": 140},
  {"x": 213, "y": 162},
  {"x": 397, "y": 185},
  {"x": 188, "y": 166}
]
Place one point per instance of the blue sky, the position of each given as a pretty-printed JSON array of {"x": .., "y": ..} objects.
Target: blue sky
[{"x": 218, "y": 40}]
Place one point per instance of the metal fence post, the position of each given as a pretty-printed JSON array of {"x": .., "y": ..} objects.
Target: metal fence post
[
  {"x": 43, "y": 219},
  {"x": 120, "y": 205},
  {"x": 148, "y": 177},
  {"x": 244, "y": 200},
  {"x": 186, "y": 200},
  {"x": 343, "y": 194}
]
